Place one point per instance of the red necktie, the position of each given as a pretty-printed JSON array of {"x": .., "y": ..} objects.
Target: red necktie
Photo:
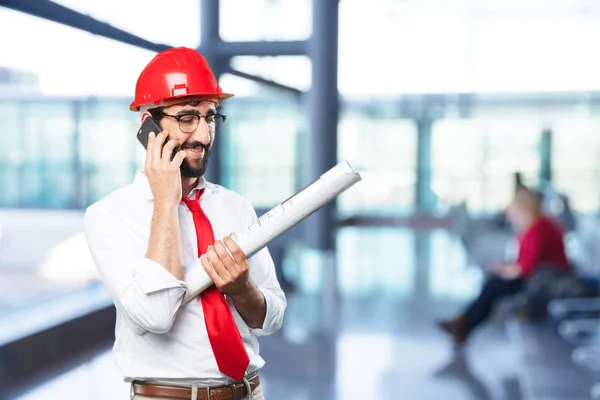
[{"x": 225, "y": 339}]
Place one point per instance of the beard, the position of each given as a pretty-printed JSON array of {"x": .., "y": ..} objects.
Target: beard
[{"x": 198, "y": 170}]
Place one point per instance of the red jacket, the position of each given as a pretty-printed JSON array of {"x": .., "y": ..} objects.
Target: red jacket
[{"x": 541, "y": 245}]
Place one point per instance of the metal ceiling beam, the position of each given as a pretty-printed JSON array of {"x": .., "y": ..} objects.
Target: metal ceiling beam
[
  {"x": 63, "y": 15},
  {"x": 266, "y": 82},
  {"x": 277, "y": 48}
]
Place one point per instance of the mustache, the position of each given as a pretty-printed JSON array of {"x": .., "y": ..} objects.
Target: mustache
[{"x": 194, "y": 145}]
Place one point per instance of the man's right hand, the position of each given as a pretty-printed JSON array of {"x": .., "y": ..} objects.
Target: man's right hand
[{"x": 163, "y": 173}]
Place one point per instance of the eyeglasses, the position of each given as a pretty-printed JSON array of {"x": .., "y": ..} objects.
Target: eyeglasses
[{"x": 188, "y": 123}]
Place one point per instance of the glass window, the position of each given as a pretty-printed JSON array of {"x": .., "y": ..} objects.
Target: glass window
[
  {"x": 427, "y": 48},
  {"x": 66, "y": 153},
  {"x": 466, "y": 46},
  {"x": 40, "y": 154},
  {"x": 109, "y": 148},
  {"x": 63, "y": 61},
  {"x": 475, "y": 160},
  {"x": 175, "y": 24},
  {"x": 560, "y": 35},
  {"x": 576, "y": 161},
  {"x": 11, "y": 157},
  {"x": 384, "y": 152},
  {"x": 260, "y": 149},
  {"x": 457, "y": 162},
  {"x": 242, "y": 87},
  {"x": 291, "y": 71},
  {"x": 253, "y": 20},
  {"x": 49, "y": 148}
]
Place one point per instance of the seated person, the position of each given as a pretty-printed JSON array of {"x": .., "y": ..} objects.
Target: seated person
[{"x": 540, "y": 245}]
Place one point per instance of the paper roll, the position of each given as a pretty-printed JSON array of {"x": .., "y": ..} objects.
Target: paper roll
[{"x": 280, "y": 218}]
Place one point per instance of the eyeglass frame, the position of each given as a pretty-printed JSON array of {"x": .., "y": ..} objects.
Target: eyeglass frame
[{"x": 198, "y": 118}]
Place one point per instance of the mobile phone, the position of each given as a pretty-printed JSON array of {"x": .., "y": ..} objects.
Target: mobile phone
[{"x": 150, "y": 125}]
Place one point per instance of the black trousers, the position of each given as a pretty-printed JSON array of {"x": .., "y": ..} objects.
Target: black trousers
[{"x": 493, "y": 290}]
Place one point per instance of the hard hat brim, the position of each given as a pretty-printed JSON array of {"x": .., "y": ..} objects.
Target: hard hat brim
[
  {"x": 198, "y": 97},
  {"x": 176, "y": 100}
]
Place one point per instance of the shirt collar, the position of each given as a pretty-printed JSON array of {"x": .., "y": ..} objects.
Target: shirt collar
[
  {"x": 201, "y": 185},
  {"x": 143, "y": 186}
]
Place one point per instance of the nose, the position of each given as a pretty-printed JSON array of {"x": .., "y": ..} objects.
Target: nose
[{"x": 202, "y": 133}]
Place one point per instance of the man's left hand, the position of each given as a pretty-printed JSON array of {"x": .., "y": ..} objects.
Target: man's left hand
[
  {"x": 229, "y": 274},
  {"x": 508, "y": 271}
]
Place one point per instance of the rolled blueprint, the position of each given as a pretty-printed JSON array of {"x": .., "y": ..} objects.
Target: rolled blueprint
[{"x": 279, "y": 219}]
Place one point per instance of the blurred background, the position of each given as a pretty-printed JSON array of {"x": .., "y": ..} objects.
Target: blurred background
[{"x": 437, "y": 103}]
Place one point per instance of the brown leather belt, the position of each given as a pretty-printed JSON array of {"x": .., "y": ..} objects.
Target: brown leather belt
[{"x": 236, "y": 391}]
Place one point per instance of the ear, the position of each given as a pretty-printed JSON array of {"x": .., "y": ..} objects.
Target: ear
[{"x": 144, "y": 115}]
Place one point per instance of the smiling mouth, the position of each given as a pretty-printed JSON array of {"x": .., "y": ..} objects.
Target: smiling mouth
[{"x": 196, "y": 151}]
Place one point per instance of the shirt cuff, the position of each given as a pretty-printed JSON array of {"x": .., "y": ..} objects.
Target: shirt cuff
[
  {"x": 152, "y": 277},
  {"x": 272, "y": 317}
]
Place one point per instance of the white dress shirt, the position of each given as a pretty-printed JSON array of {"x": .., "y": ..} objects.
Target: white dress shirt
[{"x": 158, "y": 339}]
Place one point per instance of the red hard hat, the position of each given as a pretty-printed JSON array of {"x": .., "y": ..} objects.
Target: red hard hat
[{"x": 173, "y": 74}]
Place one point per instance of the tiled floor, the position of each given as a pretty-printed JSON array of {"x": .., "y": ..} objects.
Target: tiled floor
[{"x": 375, "y": 338}]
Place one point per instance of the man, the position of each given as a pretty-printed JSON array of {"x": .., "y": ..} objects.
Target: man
[
  {"x": 540, "y": 245},
  {"x": 143, "y": 235}
]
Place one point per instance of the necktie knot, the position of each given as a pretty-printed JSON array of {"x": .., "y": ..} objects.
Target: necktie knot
[{"x": 193, "y": 205}]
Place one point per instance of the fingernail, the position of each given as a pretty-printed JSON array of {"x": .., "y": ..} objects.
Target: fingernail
[{"x": 151, "y": 134}]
